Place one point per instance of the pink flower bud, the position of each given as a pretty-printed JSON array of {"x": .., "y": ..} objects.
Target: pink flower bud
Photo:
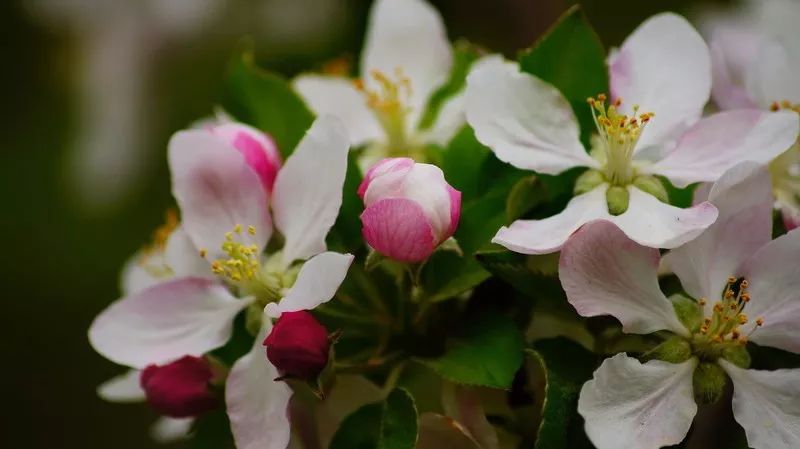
[
  {"x": 180, "y": 389},
  {"x": 298, "y": 345},
  {"x": 409, "y": 209},
  {"x": 791, "y": 218},
  {"x": 258, "y": 149}
]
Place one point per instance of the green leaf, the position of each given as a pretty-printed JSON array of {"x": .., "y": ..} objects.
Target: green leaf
[
  {"x": 345, "y": 235},
  {"x": 566, "y": 366},
  {"x": 571, "y": 57},
  {"x": 447, "y": 274},
  {"x": 389, "y": 424},
  {"x": 533, "y": 276},
  {"x": 212, "y": 431},
  {"x": 464, "y": 54},
  {"x": 266, "y": 101},
  {"x": 489, "y": 354}
]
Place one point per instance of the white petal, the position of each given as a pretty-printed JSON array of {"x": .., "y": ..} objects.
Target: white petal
[
  {"x": 774, "y": 276},
  {"x": 664, "y": 66},
  {"x": 216, "y": 190},
  {"x": 328, "y": 95},
  {"x": 185, "y": 316},
  {"x": 524, "y": 120},
  {"x": 767, "y": 405},
  {"x": 308, "y": 189},
  {"x": 717, "y": 143},
  {"x": 647, "y": 221},
  {"x": 410, "y": 35},
  {"x": 638, "y": 406},
  {"x": 450, "y": 120},
  {"x": 605, "y": 273},
  {"x": 170, "y": 430},
  {"x": 733, "y": 53},
  {"x": 183, "y": 258},
  {"x": 743, "y": 197},
  {"x": 774, "y": 74},
  {"x": 135, "y": 277},
  {"x": 317, "y": 282},
  {"x": 257, "y": 404},
  {"x": 652, "y": 223},
  {"x": 123, "y": 388}
]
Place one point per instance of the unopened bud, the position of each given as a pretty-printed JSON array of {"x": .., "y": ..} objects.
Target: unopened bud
[
  {"x": 298, "y": 346},
  {"x": 180, "y": 389}
]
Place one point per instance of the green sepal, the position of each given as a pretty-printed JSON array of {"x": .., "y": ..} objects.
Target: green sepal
[
  {"x": 587, "y": 181},
  {"x": 688, "y": 311},
  {"x": 675, "y": 349},
  {"x": 709, "y": 382},
  {"x": 618, "y": 198},
  {"x": 738, "y": 355},
  {"x": 653, "y": 186}
]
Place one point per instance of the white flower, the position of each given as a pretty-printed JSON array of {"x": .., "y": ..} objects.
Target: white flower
[
  {"x": 225, "y": 211},
  {"x": 746, "y": 286},
  {"x": 663, "y": 66},
  {"x": 406, "y": 58}
]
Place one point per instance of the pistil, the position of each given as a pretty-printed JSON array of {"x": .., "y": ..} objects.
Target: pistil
[{"x": 390, "y": 103}]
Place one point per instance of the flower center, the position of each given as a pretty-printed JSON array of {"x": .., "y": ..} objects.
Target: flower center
[
  {"x": 618, "y": 134},
  {"x": 727, "y": 317},
  {"x": 389, "y": 100},
  {"x": 152, "y": 255},
  {"x": 243, "y": 263}
]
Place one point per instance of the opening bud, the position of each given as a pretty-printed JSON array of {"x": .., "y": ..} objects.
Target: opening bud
[
  {"x": 180, "y": 389},
  {"x": 298, "y": 346}
]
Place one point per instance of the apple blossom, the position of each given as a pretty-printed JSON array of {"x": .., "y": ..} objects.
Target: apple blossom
[
  {"x": 406, "y": 58},
  {"x": 663, "y": 66},
  {"x": 225, "y": 211},
  {"x": 743, "y": 287},
  {"x": 409, "y": 209}
]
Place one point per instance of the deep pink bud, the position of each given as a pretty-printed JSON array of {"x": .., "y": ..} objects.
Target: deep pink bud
[
  {"x": 409, "y": 209},
  {"x": 180, "y": 389},
  {"x": 258, "y": 149},
  {"x": 298, "y": 345},
  {"x": 791, "y": 219}
]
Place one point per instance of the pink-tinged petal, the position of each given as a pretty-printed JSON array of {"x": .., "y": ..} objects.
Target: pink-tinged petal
[
  {"x": 524, "y": 120},
  {"x": 169, "y": 430},
  {"x": 408, "y": 35},
  {"x": 259, "y": 150},
  {"x": 183, "y": 258},
  {"x": 425, "y": 185},
  {"x": 791, "y": 218},
  {"x": 774, "y": 73},
  {"x": 605, "y": 273},
  {"x": 774, "y": 276},
  {"x": 654, "y": 224},
  {"x": 308, "y": 191},
  {"x": 647, "y": 221},
  {"x": 717, "y": 143},
  {"x": 398, "y": 165},
  {"x": 638, "y": 406},
  {"x": 257, "y": 404},
  {"x": 664, "y": 66},
  {"x": 123, "y": 388},
  {"x": 328, "y": 95},
  {"x": 398, "y": 229},
  {"x": 317, "y": 283},
  {"x": 135, "y": 277},
  {"x": 549, "y": 234},
  {"x": 733, "y": 53},
  {"x": 216, "y": 190},
  {"x": 743, "y": 197},
  {"x": 767, "y": 405},
  {"x": 185, "y": 316},
  {"x": 455, "y": 208}
]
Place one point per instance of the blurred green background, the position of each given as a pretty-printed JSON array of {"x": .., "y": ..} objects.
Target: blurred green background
[{"x": 118, "y": 77}]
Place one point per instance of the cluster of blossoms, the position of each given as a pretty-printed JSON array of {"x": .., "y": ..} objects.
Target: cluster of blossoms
[{"x": 249, "y": 253}]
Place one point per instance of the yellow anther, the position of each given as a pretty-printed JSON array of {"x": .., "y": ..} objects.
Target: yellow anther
[
  {"x": 743, "y": 319},
  {"x": 702, "y": 301},
  {"x": 203, "y": 252},
  {"x": 237, "y": 229},
  {"x": 243, "y": 261},
  {"x": 759, "y": 321},
  {"x": 251, "y": 230}
]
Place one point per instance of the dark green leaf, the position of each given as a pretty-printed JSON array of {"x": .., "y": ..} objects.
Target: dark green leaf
[
  {"x": 566, "y": 366},
  {"x": 571, "y": 57},
  {"x": 212, "y": 431},
  {"x": 389, "y": 424},
  {"x": 488, "y": 354},
  {"x": 345, "y": 235},
  {"x": 447, "y": 274},
  {"x": 534, "y": 276},
  {"x": 464, "y": 55},
  {"x": 266, "y": 100}
]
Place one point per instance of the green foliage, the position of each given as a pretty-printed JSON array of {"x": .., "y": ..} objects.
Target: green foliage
[
  {"x": 533, "y": 276},
  {"x": 447, "y": 274},
  {"x": 488, "y": 354},
  {"x": 571, "y": 57},
  {"x": 212, "y": 431},
  {"x": 464, "y": 55},
  {"x": 566, "y": 366},
  {"x": 266, "y": 101},
  {"x": 389, "y": 424}
]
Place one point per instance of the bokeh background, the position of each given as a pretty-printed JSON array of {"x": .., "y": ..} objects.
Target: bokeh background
[{"x": 92, "y": 90}]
